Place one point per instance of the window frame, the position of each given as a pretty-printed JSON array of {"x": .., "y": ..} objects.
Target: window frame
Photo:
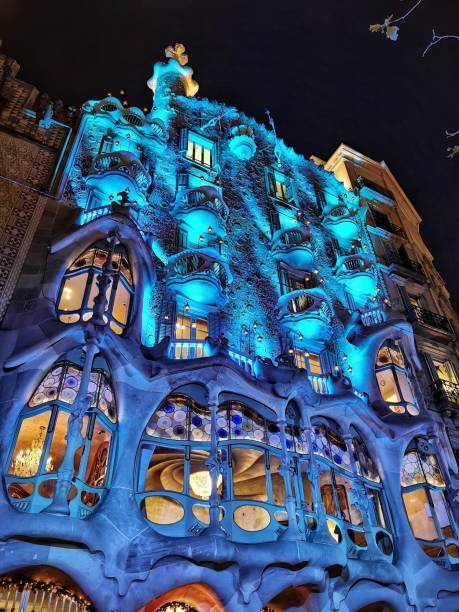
[
  {"x": 56, "y": 407},
  {"x": 93, "y": 272}
]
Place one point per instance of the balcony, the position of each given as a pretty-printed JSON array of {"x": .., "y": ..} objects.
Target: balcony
[
  {"x": 355, "y": 273},
  {"x": 432, "y": 319},
  {"x": 446, "y": 392},
  {"x": 200, "y": 276},
  {"x": 293, "y": 246},
  {"x": 342, "y": 223},
  {"x": 403, "y": 265},
  {"x": 306, "y": 312},
  {"x": 201, "y": 208},
  {"x": 119, "y": 177}
]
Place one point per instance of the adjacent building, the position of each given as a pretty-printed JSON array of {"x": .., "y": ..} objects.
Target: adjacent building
[{"x": 229, "y": 372}]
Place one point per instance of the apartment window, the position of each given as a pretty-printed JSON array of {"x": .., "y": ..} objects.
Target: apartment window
[
  {"x": 393, "y": 381},
  {"x": 191, "y": 332},
  {"x": 200, "y": 150},
  {"x": 278, "y": 185},
  {"x": 305, "y": 360},
  {"x": 445, "y": 370},
  {"x": 38, "y": 447},
  {"x": 79, "y": 287},
  {"x": 426, "y": 505}
]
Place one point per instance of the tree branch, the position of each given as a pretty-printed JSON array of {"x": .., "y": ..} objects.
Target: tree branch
[
  {"x": 436, "y": 39},
  {"x": 406, "y": 14}
]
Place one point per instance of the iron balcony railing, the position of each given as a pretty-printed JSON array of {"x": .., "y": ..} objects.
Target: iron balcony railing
[
  {"x": 445, "y": 391},
  {"x": 432, "y": 319},
  {"x": 405, "y": 262}
]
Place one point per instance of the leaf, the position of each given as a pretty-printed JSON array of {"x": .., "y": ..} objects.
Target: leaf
[
  {"x": 452, "y": 151},
  {"x": 392, "y": 32}
]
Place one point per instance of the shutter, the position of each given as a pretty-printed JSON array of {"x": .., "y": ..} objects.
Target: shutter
[
  {"x": 270, "y": 182},
  {"x": 274, "y": 221},
  {"x": 328, "y": 361},
  {"x": 182, "y": 240},
  {"x": 217, "y": 155},
  {"x": 405, "y": 298},
  {"x": 291, "y": 191},
  {"x": 213, "y": 324},
  {"x": 183, "y": 144},
  {"x": 282, "y": 279},
  {"x": 182, "y": 180},
  {"x": 430, "y": 367},
  {"x": 320, "y": 199}
]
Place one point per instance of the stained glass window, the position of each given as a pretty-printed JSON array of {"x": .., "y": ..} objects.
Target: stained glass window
[
  {"x": 245, "y": 424},
  {"x": 365, "y": 465},
  {"x": 62, "y": 383},
  {"x": 319, "y": 441},
  {"x": 41, "y": 439}
]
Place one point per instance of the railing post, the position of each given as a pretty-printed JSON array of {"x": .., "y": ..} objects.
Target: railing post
[
  {"x": 60, "y": 503},
  {"x": 293, "y": 532},
  {"x": 214, "y": 464}
]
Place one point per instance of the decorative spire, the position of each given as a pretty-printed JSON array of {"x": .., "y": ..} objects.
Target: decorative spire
[
  {"x": 173, "y": 76},
  {"x": 177, "y": 52}
]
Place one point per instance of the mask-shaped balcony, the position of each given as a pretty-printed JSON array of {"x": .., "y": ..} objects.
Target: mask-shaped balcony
[
  {"x": 201, "y": 208},
  {"x": 293, "y": 247},
  {"x": 119, "y": 177},
  {"x": 356, "y": 273},
  {"x": 200, "y": 276},
  {"x": 306, "y": 312},
  {"x": 342, "y": 223}
]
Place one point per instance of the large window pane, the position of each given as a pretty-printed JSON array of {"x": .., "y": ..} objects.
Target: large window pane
[
  {"x": 249, "y": 474},
  {"x": 277, "y": 481},
  {"x": 73, "y": 292},
  {"x": 58, "y": 443},
  {"x": 307, "y": 487},
  {"x": 442, "y": 514},
  {"x": 121, "y": 304},
  {"x": 420, "y": 514},
  {"x": 27, "y": 452},
  {"x": 387, "y": 386},
  {"x": 200, "y": 481},
  {"x": 165, "y": 471},
  {"x": 326, "y": 492},
  {"x": 96, "y": 467}
]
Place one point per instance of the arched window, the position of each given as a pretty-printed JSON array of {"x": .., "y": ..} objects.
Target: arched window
[
  {"x": 174, "y": 484},
  {"x": 392, "y": 379},
  {"x": 429, "y": 514},
  {"x": 39, "y": 443},
  {"x": 343, "y": 478},
  {"x": 79, "y": 287}
]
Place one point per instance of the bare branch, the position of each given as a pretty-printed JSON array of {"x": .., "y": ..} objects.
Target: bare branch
[
  {"x": 436, "y": 39},
  {"x": 406, "y": 14}
]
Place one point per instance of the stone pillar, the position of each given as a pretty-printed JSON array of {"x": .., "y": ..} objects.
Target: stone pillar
[
  {"x": 293, "y": 532},
  {"x": 60, "y": 504},
  {"x": 362, "y": 502},
  {"x": 214, "y": 464}
]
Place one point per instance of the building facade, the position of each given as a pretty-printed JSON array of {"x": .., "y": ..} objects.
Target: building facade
[{"x": 229, "y": 373}]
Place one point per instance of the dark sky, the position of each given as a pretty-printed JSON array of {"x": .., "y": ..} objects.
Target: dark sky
[{"x": 315, "y": 65}]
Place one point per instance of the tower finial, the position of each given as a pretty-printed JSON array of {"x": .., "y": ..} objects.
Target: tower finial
[{"x": 177, "y": 52}]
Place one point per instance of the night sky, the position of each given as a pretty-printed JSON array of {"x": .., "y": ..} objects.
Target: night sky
[{"x": 325, "y": 78}]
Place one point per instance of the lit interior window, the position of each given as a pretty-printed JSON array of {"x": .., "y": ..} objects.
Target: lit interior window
[
  {"x": 393, "y": 380},
  {"x": 39, "y": 445},
  {"x": 79, "y": 288},
  {"x": 199, "y": 151},
  {"x": 425, "y": 503}
]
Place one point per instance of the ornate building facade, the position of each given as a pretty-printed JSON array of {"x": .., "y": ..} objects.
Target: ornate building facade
[{"x": 229, "y": 373}]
